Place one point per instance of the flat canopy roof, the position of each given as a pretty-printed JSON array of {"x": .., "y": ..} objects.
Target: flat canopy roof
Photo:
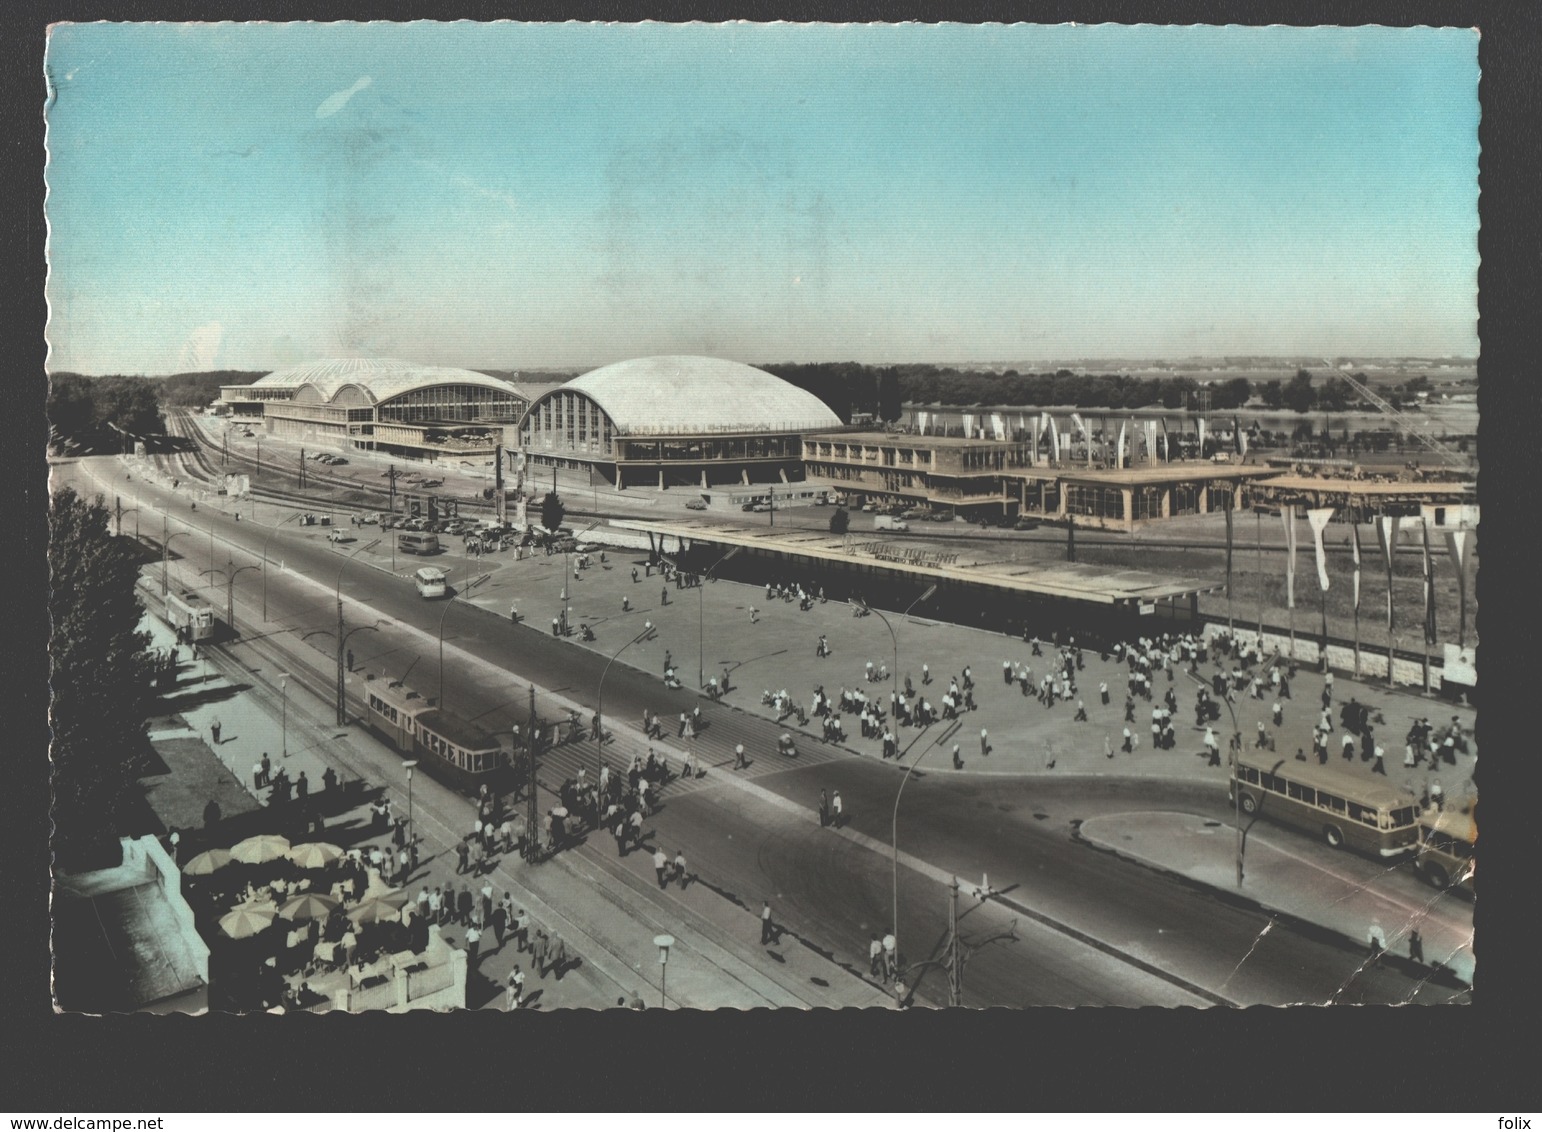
[
  {"x": 1177, "y": 472},
  {"x": 1070, "y": 581},
  {"x": 1373, "y": 487},
  {"x": 912, "y": 439}
]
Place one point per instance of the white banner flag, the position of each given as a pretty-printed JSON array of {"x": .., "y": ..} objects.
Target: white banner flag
[
  {"x": 1054, "y": 439},
  {"x": 1201, "y": 437},
  {"x": 969, "y": 424},
  {"x": 1242, "y": 443},
  {"x": 1288, "y": 514},
  {"x": 1456, "y": 546},
  {"x": 1151, "y": 433},
  {"x": 1033, "y": 441},
  {"x": 998, "y": 426},
  {"x": 1318, "y": 517},
  {"x": 1119, "y": 450},
  {"x": 1081, "y": 427},
  {"x": 1386, "y": 535},
  {"x": 921, "y": 415},
  {"x": 1354, "y": 544}
]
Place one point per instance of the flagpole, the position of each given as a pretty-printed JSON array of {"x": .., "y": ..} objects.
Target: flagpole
[
  {"x": 1390, "y": 555},
  {"x": 1229, "y": 623},
  {"x": 1355, "y": 535},
  {"x": 1259, "y": 515}
]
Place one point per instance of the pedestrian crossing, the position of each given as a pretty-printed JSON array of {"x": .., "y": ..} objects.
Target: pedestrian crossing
[{"x": 713, "y": 752}]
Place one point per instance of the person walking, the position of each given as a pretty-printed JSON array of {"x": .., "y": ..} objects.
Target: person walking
[
  {"x": 985, "y": 743},
  {"x": 214, "y": 730},
  {"x": 539, "y": 952},
  {"x": 739, "y": 763},
  {"x": 1378, "y": 766},
  {"x": 875, "y": 956},
  {"x": 514, "y": 997},
  {"x": 958, "y": 761},
  {"x": 500, "y": 921},
  {"x": 660, "y": 865},
  {"x": 473, "y": 944},
  {"x": 462, "y": 856},
  {"x": 824, "y": 809},
  {"x": 890, "y": 961},
  {"x": 767, "y": 932},
  {"x": 837, "y": 810}
]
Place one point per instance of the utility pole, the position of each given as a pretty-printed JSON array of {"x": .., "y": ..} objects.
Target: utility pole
[
  {"x": 342, "y": 712},
  {"x": 391, "y": 479},
  {"x": 1259, "y": 515},
  {"x": 532, "y": 807},
  {"x": 955, "y": 957}
]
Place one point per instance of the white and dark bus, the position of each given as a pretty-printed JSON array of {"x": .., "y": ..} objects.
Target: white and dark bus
[{"x": 1338, "y": 805}]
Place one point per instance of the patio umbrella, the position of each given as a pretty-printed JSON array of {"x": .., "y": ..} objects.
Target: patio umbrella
[
  {"x": 314, "y": 854},
  {"x": 244, "y": 923},
  {"x": 206, "y": 862},
  {"x": 309, "y": 906},
  {"x": 386, "y": 906},
  {"x": 262, "y": 848}
]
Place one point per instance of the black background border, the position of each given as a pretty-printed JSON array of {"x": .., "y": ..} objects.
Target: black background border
[{"x": 1477, "y": 1058}]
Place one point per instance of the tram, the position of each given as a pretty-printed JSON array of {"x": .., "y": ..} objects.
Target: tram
[
  {"x": 452, "y": 749},
  {"x": 189, "y": 612}
]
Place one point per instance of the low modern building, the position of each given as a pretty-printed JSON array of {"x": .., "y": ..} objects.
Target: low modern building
[
  {"x": 1446, "y": 504},
  {"x": 676, "y": 421},
  {"x": 383, "y": 404},
  {"x": 976, "y": 477},
  {"x": 1123, "y": 498}
]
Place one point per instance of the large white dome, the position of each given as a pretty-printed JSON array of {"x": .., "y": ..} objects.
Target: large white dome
[
  {"x": 681, "y": 395},
  {"x": 381, "y": 378}
]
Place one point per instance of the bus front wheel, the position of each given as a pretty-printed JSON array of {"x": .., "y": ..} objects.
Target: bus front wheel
[
  {"x": 1437, "y": 876},
  {"x": 1333, "y": 835},
  {"x": 1249, "y": 803}
]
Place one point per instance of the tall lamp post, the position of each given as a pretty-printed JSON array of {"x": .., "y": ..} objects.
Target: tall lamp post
[
  {"x": 408, "y": 765},
  {"x": 663, "y": 943},
  {"x": 271, "y": 532},
  {"x": 122, "y": 511},
  {"x": 229, "y": 574},
  {"x": 701, "y": 619},
  {"x": 894, "y": 831},
  {"x": 342, "y": 718},
  {"x": 449, "y": 601},
  {"x": 166, "y": 554},
  {"x": 565, "y": 570},
  {"x": 894, "y": 860},
  {"x": 599, "y": 709},
  {"x": 283, "y": 687},
  {"x": 375, "y": 628},
  {"x": 1236, "y": 793}
]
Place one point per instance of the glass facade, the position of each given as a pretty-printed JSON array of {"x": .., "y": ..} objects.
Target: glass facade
[{"x": 452, "y": 403}]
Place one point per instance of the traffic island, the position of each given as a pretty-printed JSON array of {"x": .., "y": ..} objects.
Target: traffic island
[{"x": 1280, "y": 881}]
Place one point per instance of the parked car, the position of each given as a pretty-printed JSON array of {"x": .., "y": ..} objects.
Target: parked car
[
  {"x": 695, "y": 505},
  {"x": 1025, "y": 524}
]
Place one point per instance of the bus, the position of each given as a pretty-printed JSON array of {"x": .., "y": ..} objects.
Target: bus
[
  {"x": 1445, "y": 854},
  {"x": 431, "y": 581},
  {"x": 1338, "y": 805},
  {"x": 190, "y": 612},
  {"x": 417, "y": 542},
  {"x": 454, "y": 750}
]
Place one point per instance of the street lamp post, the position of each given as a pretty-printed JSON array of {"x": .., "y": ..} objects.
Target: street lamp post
[
  {"x": 893, "y": 703},
  {"x": 663, "y": 943},
  {"x": 122, "y": 511},
  {"x": 1236, "y": 793},
  {"x": 229, "y": 573},
  {"x": 447, "y": 603},
  {"x": 375, "y": 628},
  {"x": 271, "y": 532},
  {"x": 701, "y": 619},
  {"x": 342, "y": 718},
  {"x": 894, "y": 860},
  {"x": 565, "y": 568},
  {"x": 408, "y": 765},
  {"x": 599, "y": 708},
  {"x": 283, "y": 685},
  {"x": 166, "y": 554}
]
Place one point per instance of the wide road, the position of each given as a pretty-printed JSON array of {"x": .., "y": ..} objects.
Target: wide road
[{"x": 1089, "y": 928}]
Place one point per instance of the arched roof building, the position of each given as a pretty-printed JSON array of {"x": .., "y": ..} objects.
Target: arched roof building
[
  {"x": 384, "y": 403},
  {"x": 676, "y": 420}
]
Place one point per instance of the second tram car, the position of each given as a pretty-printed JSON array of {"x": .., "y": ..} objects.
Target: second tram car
[
  {"x": 189, "y": 612},
  {"x": 454, "y": 750}
]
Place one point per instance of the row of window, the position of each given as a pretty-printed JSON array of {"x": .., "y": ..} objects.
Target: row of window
[{"x": 1310, "y": 796}]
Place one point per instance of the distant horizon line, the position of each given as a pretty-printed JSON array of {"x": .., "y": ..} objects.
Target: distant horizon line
[{"x": 1137, "y": 362}]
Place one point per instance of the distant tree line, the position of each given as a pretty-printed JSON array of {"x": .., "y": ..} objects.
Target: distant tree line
[
  {"x": 850, "y": 387},
  {"x": 194, "y": 390},
  {"x": 83, "y": 410}
]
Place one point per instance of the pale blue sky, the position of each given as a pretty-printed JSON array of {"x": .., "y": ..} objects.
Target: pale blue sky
[{"x": 505, "y": 195}]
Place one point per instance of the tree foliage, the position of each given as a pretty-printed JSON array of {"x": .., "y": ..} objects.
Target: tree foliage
[
  {"x": 552, "y": 511},
  {"x": 101, "y": 676},
  {"x": 1299, "y": 394},
  {"x": 84, "y": 410},
  {"x": 890, "y": 407},
  {"x": 193, "y": 390},
  {"x": 840, "y": 520}
]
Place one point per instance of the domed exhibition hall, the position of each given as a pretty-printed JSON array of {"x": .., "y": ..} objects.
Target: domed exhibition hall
[
  {"x": 676, "y": 421},
  {"x": 387, "y": 405}
]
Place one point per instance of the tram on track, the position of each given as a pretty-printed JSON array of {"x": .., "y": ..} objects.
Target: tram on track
[
  {"x": 452, "y": 749},
  {"x": 189, "y": 612}
]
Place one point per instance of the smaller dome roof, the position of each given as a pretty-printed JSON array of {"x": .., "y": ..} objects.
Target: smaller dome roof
[{"x": 382, "y": 378}]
